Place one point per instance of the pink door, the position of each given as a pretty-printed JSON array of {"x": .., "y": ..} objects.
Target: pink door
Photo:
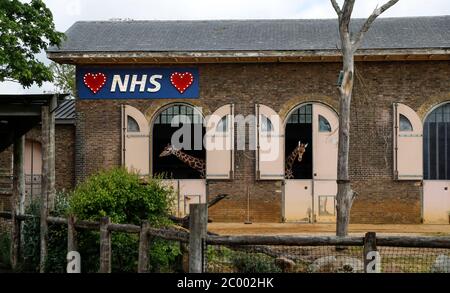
[
  {"x": 325, "y": 151},
  {"x": 298, "y": 201},
  {"x": 187, "y": 191},
  {"x": 33, "y": 168},
  {"x": 436, "y": 201}
]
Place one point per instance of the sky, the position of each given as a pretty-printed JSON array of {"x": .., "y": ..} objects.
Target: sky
[{"x": 66, "y": 12}]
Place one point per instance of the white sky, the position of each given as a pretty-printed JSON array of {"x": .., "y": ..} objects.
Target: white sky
[{"x": 66, "y": 12}]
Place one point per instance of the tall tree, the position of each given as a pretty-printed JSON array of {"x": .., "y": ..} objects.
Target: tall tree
[
  {"x": 63, "y": 77},
  {"x": 26, "y": 29},
  {"x": 350, "y": 42}
]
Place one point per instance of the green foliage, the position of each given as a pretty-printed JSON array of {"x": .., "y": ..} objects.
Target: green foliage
[
  {"x": 5, "y": 245},
  {"x": 254, "y": 263},
  {"x": 57, "y": 238},
  {"x": 25, "y": 30},
  {"x": 124, "y": 198},
  {"x": 31, "y": 238},
  {"x": 224, "y": 259},
  {"x": 64, "y": 77}
]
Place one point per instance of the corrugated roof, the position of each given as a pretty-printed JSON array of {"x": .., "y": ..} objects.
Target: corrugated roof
[
  {"x": 250, "y": 35},
  {"x": 66, "y": 110}
]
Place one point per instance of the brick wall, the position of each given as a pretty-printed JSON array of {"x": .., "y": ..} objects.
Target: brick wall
[
  {"x": 282, "y": 86},
  {"x": 64, "y": 152},
  {"x": 5, "y": 160}
]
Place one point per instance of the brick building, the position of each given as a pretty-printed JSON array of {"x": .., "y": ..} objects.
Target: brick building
[
  {"x": 64, "y": 152},
  {"x": 134, "y": 77}
]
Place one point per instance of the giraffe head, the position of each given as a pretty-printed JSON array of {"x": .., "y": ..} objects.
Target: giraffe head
[
  {"x": 301, "y": 148},
  {"x": 168, "y": 150}
]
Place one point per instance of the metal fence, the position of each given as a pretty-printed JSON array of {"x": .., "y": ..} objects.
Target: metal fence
[
  {"x": 322, "y": 259},
  {"x": 200, "y": 251}
]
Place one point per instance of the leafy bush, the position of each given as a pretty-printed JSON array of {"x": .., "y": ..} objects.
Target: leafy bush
[
  {"x": 57, "y": 238},
  {"x": 254, "y": 263},
  {"x": 5, "y": 245},
  {"x": 123, "y": 197}
]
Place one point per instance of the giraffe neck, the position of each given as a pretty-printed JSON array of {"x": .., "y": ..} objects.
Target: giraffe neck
[
  {"x": 193, "y": 162},
  {"x": 291, "y": 159}
]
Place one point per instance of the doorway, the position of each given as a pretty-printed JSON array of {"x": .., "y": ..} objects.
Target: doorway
[{"x": 309, "y": 194}]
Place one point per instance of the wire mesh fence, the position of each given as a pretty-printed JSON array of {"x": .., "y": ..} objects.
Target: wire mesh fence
[
  {"x": 414, "y": 260},
  {"x": 322, "y": 259},
  {"x": 277, "y": 259}
]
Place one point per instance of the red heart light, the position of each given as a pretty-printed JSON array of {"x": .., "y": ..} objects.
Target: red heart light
[
  {"x": 94, "y": 81},
  {"x": 181, "y": 80}
]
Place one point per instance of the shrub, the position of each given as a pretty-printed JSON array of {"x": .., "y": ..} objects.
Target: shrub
[
  {"x": 124, "y": 198},
  {"x": 254, "y": 263},
  {"x": 57, "y": 238},
  {"x": 5, "y": 245}
]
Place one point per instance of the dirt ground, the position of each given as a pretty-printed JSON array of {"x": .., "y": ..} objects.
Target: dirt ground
[{"x": 325, "y": 229}]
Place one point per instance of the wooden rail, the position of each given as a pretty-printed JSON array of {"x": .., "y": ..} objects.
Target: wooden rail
[
  {"x": 285, "y": 240},
  {"x": 198, "y": 235}
]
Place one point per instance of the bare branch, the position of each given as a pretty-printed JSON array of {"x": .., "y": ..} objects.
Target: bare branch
[
  {"x": 347, "y": 10},
  {"x": 336, "y": 7},
  {"x": 366, "y": 26}
]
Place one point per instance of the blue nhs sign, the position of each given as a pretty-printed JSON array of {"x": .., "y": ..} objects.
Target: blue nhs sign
[{"x": 136, "y": 83}]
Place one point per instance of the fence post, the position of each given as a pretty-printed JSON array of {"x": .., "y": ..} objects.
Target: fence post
[
  {"x": 370, "y": 254},
  {"x": 17, "y": 199},
  {"x": 144, "y": 241},
  {"x": 15, "y": 240},
  {"x": 105, "y": 246},
  {"x": 71, "y": 234},
  {"x": 45, "y": 187},
  {"x": 198, "y": 220}
]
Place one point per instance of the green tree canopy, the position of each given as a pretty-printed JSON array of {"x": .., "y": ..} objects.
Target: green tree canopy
[
  {"x": 63, "y": 77},
  {"x": 25, "y": 30}
]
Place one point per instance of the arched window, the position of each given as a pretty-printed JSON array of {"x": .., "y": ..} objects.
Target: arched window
[
  {"x": 172, "y": 165},
  {"x": 324, "y": 125},
  {"x": 266, "y": 124},
  {"x": 302, "y": 115},
  {"x": 436, "y": 144},
  {"x": 185, "y": 113},
  {"x": 405, "y": 124},
  {"x": 132, "y": 125}
]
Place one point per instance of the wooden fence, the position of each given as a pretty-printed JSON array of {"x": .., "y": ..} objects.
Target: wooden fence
[{"x": 198, "y": 237}]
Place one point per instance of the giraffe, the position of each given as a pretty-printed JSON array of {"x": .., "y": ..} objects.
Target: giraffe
[
  {"x": 297, "y": 153},
  {"x": 193, "y": 162}
]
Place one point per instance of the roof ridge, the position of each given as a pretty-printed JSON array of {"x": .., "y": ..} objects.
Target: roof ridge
[{"x": 251, "y": 19}]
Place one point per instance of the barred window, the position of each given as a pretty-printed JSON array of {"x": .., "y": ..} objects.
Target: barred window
[
  {"x": 302, "y": 115},
  {"x": 185, "y": 113},
  {"x": 436, "y": 144}
]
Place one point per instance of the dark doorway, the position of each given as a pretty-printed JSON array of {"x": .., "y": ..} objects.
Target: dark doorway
[
  {"x": 299, "y": 128},
  {"x": 170, "y": 166}
]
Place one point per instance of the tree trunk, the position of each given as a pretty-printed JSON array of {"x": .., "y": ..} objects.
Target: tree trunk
[{"x": 345, "y": 194}]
